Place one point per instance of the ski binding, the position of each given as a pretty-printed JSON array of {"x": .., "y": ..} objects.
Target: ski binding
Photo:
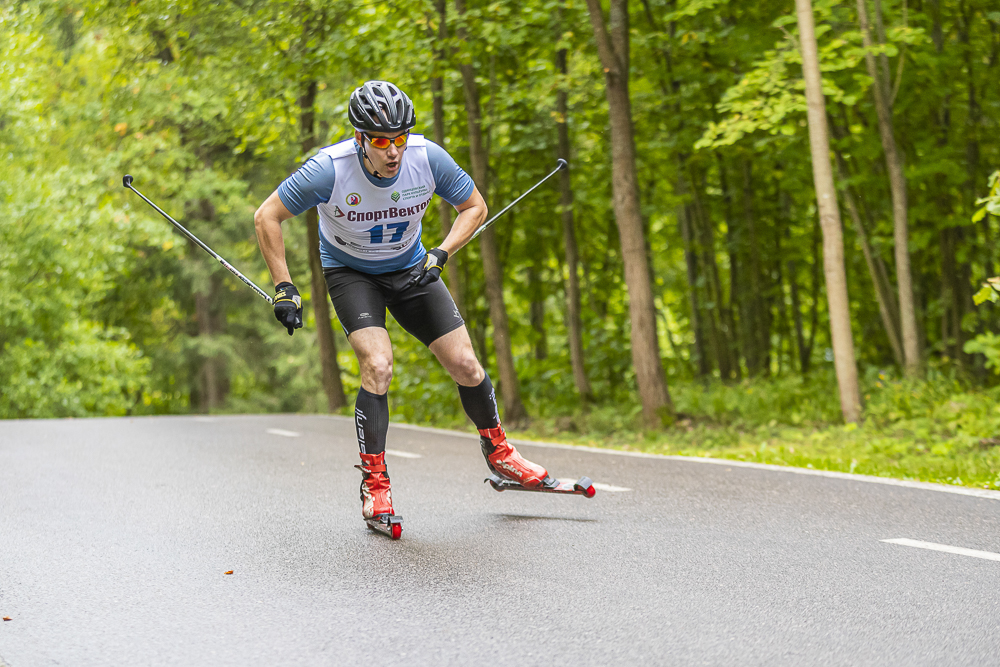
[
  {"x": 582, "y": 487},
  {"x": 387, "y": 524}
]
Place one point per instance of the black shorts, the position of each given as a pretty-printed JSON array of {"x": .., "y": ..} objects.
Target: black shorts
[{"x": 361, "y": 299}]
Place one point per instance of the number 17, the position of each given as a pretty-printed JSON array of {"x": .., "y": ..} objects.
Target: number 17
[{"x": 377, "y": 236}]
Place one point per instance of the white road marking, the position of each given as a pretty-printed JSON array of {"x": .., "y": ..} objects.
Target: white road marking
[
  {"x": 403, "y": 455},
  {"x": 610, "y": 487},
  {"x": 281, "y": 431},
  {"x": 987, "y": 555},
  {"x": 600, "y": 486},
  {"x": 887, "y": 481}
]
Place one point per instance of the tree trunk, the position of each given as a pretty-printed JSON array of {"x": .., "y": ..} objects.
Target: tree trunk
[
  {"x": 335, "y": 398},
  {"x": 514, "y": 410},
  {"x": 210, "y": 371},
  {"x": 963, "y": 277},
  {"x": 691, "y": 261},
  {"x": 829, "y": 215},
  {"x": 814, "y": 285},
  {"x": 537, "y": 309},
  {"x": 613, "y": 48},
  {"x": 719, "y": 329},
  {"x": 574, "y": 326},
  {"x": 886, "y": 304},
  {"x": 735, "y": 283},
  {"x": 783, "y": 327},
  {"x": 213, "y": 379},
  {"x": 800, "y": 341},
  {"x": 758, "y": 319},
  {"x": 455, "y": 283},
  {"x": 897, "y": 185}
]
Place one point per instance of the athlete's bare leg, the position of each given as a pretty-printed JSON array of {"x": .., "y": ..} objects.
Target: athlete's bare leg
[
  {"x": 454, "y": 351},
  {"x": 374, "y": 351}
]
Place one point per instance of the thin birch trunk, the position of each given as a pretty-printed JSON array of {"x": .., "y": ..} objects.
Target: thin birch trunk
[
  {"x": 897, "y": 185},
  {"x": 886, "y": 304},
  {"x": 829, "y": 215}
]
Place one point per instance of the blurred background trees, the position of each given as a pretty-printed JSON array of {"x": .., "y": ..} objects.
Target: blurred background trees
[{"x": 106, "y": 311}]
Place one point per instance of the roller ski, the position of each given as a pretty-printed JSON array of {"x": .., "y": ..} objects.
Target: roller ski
[
  {"x": 582, "y": 487},
  {"x": 387, "y": 524},
  {"x": 513, "y": 472},
  {"x": 376, "y": 497}
]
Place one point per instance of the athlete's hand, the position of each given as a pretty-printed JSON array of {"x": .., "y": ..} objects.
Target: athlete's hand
[
  {"x": 431, "y": 270},
  {"x": 288, "y": 306}
]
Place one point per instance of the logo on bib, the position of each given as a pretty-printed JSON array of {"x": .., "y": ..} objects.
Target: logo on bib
[
  {"x": 353, "y": 199},
  {"x": 337, "y": 213},
  {"x": 395, "y": 196}
]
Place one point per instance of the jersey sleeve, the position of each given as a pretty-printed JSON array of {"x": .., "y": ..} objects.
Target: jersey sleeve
[
  {"x": 451, "y": 183},
  {"x": 311, "y": 184}
]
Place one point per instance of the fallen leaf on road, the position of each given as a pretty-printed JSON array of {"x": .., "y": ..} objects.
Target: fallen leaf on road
[
  {"x": 7, "y": 618},
  {"x": 230, "y": 572}
]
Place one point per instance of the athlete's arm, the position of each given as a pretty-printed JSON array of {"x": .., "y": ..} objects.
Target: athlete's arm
[
  {"x": 471, "y": 214},
  {"x": 267, "y": 221},
  {"x": 456, "y": 187},
  {"x": 309, "y": 186}
]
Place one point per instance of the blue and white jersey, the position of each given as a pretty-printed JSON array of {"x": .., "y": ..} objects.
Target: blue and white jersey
[{"x": 368, "y": 224}]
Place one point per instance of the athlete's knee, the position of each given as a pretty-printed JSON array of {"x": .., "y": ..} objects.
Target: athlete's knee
[
  {"x": 376, "y": 371},
  {"x": 467, "y": 371}
]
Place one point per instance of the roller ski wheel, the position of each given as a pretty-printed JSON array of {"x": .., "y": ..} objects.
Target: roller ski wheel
[
  {"x": 582, "y": 487},
  {"x": 387, "y": 524}
]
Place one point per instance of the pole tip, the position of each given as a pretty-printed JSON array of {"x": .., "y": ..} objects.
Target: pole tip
[
  {"x": 127, "y": 180},
  {"x": 562, "y": 164}
]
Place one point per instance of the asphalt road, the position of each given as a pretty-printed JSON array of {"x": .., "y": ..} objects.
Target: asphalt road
[{"x": 115, "y": 535}]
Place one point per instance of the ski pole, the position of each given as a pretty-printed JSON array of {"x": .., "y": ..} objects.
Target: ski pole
[
  {"x": 127, "y": 182},
  {"x": 560, "y": 165}
]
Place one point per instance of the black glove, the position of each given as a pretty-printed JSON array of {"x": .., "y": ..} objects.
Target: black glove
[
  {"x": 431, "y": 270},
  {"x": 288, "y": 306}
]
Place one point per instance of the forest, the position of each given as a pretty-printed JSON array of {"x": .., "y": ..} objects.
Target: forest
[{"x": 678, "y": 289}]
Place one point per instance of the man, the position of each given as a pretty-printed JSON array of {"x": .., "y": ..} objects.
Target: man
[{"x": 371, "y": 192}]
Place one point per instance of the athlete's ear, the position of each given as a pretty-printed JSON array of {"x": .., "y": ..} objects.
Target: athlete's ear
[{"x": 357, "y": 137}]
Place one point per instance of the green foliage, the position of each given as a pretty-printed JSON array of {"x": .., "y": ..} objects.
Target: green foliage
[
  {"x": 988, "y": 345},
  {"x": 107, "y": 311},
  {"x": 792, "y": 400},
  {"x": 85, "y": 373}
]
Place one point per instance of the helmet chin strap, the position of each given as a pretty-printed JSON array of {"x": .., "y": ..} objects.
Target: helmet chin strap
[{"x": 365, "y": 154}]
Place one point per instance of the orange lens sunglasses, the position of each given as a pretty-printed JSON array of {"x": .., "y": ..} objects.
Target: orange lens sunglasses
[{"x": 383, "y": 142}]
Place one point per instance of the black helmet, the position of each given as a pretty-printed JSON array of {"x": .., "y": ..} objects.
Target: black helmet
[{"x": 379, "y": 106}]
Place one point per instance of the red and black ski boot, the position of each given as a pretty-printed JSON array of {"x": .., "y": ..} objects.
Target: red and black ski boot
[
  {"x": 506, "y": 463},
  {"x": 511, "y": 471},
  {"x": 376, "y": 496}
]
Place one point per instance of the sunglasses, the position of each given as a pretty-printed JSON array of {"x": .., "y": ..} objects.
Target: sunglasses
[{"x": 383, "y": 142}]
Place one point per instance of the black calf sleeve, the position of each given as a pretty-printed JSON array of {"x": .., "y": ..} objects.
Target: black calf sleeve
[
  {"x": 480, "y": 403},
  {"x": 371, "y": 416}
]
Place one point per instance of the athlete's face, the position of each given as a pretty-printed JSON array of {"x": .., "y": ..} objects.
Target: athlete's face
[{"x": 385, "y": 161}]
